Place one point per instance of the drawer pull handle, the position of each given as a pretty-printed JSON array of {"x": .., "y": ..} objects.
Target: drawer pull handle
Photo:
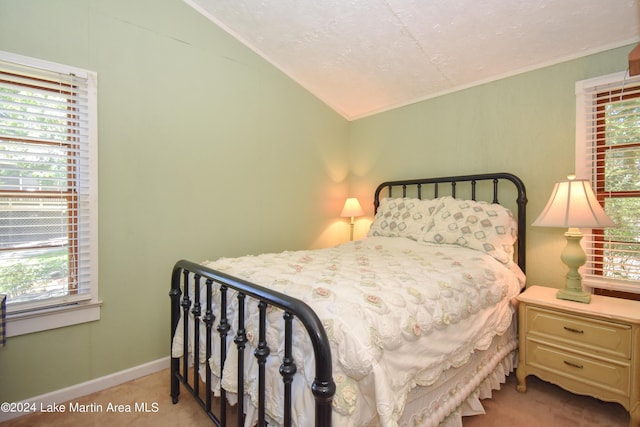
[
  {"x": 576, "y": 331},
  {"x": 575, "y": 365}
]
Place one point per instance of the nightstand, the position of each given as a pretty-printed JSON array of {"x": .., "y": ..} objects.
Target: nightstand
[{"x": 591, "y": 349}]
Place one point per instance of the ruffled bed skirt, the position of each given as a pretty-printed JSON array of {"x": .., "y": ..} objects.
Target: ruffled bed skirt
[{"x": 459, "y": 391}]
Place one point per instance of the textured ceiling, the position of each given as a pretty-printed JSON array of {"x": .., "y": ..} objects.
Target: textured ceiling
[{"x": 366, "y": 56}]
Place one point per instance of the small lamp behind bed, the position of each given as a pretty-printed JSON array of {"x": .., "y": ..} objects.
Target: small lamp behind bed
[
  {"x": 352, "y": 209},
  {"x": 573, "y": 205}
]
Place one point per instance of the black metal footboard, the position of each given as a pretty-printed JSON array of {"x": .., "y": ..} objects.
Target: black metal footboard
[{"x": 205, "y": 279}]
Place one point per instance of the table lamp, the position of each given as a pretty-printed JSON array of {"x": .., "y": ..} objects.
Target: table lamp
[
  {"x": 573, "y": 205},
  {"x": 352, "y": 209}
]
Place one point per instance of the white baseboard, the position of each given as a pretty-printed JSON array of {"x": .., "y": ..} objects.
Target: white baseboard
[{"x": 98, "y": 384}]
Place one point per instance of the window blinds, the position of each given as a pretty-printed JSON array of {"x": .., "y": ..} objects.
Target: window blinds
[
  {"x": 45, "y": 186},
  {"x": 608, "y": 153}
]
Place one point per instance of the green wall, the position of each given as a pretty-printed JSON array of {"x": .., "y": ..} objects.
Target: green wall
[
  {"x": 205, "y": 150},
  {"x": 524, "y": 124},
  {"x": 198, "y": 132}
]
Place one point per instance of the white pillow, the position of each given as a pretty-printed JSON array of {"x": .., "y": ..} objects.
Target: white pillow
[
  {"x": 402, "y": 217},
  {"x": 483, "y": 226}
]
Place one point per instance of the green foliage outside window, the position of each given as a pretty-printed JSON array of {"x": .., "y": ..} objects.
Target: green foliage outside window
[
  {"x": 622, "y": 178},
  {"x": 45, "y": 275}
]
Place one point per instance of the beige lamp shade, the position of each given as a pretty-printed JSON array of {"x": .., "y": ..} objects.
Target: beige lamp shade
[
  {"x": 352, "y": 208},
  {"x": 573, "y": 205}
]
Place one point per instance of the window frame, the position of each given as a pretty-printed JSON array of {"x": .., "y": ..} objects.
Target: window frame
[
  {"x": 87, "y": 308},
  {"x": 585, "y": 91}
]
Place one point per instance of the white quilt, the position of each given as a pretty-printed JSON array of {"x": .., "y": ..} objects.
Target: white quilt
[{"x": 397, "y": 312}]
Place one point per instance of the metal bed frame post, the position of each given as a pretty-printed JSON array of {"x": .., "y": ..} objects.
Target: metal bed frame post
[
  {"x": 208, "y": 319},
  {"x": 223, "y": 331},
  {"x": 240, "y": 340},
  {"x": 174, "y": 294},
  {"x": 196, "y": 334},
  {"x": 262, "y": 352}
]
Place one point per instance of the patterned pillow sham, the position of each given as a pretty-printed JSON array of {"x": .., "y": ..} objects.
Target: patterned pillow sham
[
  {"x": 402, "y": 217},
  {"x": 483, "y": 226}
]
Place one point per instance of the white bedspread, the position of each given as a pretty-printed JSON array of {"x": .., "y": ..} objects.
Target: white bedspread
[{"x": 397, "y": 312}]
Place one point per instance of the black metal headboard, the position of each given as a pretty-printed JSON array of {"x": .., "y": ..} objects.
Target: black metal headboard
[{"x": 474, "y": 187}]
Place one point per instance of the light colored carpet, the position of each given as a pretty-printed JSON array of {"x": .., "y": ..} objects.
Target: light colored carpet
[
  {"x": 547, "y": 405},
  {"x": 542, "y": 405},
  {"x": 151, "y": 389}
]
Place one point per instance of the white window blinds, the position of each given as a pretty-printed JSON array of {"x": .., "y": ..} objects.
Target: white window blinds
[
  {"x": 47, "y": 185},
  {"x": 608, "y": 153}
]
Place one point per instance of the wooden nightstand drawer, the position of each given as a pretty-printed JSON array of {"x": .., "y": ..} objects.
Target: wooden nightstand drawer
[
  {"x": 598, "y": 336},
  {"x": 589, "y": 371}
]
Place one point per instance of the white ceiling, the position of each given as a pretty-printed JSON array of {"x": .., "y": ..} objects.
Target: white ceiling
[{"x": 366, "y": 56}]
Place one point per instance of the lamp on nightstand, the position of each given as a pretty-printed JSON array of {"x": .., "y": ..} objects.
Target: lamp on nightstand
[
  {"x": 352, "y": 209},
  {"x": 573, "y": 205}
]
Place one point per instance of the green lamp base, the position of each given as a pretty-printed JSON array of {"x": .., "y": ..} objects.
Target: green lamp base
[
  {"x": 571, "y": 295},
  {"x": 574, "y": 257}
]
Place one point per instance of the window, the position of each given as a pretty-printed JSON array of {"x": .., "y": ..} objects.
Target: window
[
  {"x": 608, "y": 153},
  {"x": 48, "y": 199}
]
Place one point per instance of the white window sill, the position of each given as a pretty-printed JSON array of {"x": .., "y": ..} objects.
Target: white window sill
[
  {"x": 51, "y": 318},
  {"x": 611, "y": 285}
]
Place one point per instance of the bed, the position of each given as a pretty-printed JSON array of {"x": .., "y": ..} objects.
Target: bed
[{"x": 411, "y": 325}]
